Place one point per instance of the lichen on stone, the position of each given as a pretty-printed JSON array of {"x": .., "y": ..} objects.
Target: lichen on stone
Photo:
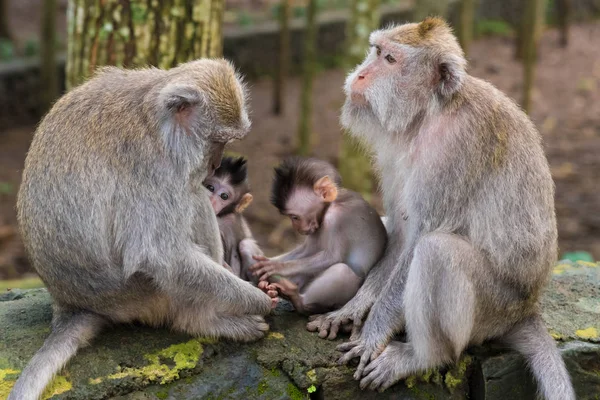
[
  {"x": 59, "y": 384},
  {"x": 184, "y": 355},
  {"x": 588, "y": 333},
  {"x": 275, "y": 335},
  {"x": 8, "y": 377}
]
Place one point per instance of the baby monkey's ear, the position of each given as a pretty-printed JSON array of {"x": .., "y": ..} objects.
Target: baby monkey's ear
[
  {"x": 244, "y": 203},
  {"x": 326, "y": 189}
]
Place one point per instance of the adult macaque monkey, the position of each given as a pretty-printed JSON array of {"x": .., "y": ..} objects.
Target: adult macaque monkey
[
  {"x": 112, "y": 221},
  {"x": 344, "y": 238},
  {"x": 465, "y": 167},
  {"x": 230, "y": 196}
]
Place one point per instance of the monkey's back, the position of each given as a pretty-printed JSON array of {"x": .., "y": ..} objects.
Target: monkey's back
[
  {"x": 91, "y": 175},
  {"x": 508, "y": 195}
]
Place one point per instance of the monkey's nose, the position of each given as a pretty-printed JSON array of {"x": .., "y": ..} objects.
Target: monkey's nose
[{"x": 360, "y": 77}]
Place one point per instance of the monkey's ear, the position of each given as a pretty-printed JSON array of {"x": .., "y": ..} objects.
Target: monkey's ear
[
  {"x": 180, "y": 99},
  {"x": 326, "y": 189},
  {"x": 244, "y": 203},
  {"x": 452, "y": 73}
]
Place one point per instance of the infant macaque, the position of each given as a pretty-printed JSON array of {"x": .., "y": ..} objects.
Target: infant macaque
[
  {"x": 229, "y": 196},
  {"x": 344, "y": 238}
]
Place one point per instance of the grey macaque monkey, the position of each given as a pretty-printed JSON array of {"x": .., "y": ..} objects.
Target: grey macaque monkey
[
  {"x": 469, "y": 198},
  {"x": 344, "y": 238},
  {"x": 112, "y": 221}
]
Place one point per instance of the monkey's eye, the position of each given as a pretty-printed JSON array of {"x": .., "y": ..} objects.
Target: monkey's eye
[
  {"x": 294, "y": 217},
  {"x": 378, "y": 50},
  {"x": 224, "y": 196},
  {"x": 210, "y": 187},
  {"x": 390, "y": 59}
]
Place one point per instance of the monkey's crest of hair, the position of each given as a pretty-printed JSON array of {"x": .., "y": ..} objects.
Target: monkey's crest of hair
[
  {"x": 235, "y": 168},
  {"x": 295, "y": 172}
]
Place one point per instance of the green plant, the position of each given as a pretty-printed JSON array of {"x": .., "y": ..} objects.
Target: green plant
[
  {"x": 490, "y": 27},
  {"x": 32, "y": 47},
  {"x": 7, "y": 50},
  {"x": 245, "y": 19},
  {"x": 299, "y": 12}
]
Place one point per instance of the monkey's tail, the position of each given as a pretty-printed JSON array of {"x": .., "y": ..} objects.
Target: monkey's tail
[
  {"x": 531, "y": 338},
  {"x": 70, "y": 331}
]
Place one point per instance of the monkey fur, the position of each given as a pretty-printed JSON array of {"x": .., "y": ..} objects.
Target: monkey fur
[
  {"x": 467, "y": 166},
  {"x": 112, "y": 221}
]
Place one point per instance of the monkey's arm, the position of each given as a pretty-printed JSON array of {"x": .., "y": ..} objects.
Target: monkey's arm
[
  {"x": 294, "y": 254},
  {"x": 196, "y": 278},
  {"x": 307, "y": 266}
]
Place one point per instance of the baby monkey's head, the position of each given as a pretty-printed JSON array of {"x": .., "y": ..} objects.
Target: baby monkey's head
[
  {"x": 228, "y": 187},
  {"x": 303, "y": 189}
]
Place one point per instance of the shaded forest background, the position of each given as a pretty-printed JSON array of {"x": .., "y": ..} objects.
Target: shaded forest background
[{"x": 565, "y": 105}]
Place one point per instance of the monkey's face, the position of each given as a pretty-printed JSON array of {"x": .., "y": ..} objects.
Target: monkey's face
[
  {"x": 306, "y": 210},
  {"x": 388, "y": 89},
  {"x": 221, "y": 193}
]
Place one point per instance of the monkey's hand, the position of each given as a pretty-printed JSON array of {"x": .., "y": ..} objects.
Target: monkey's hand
[
  {"x": 365, "y": 348},
  {"x": 265, "y": 267}
]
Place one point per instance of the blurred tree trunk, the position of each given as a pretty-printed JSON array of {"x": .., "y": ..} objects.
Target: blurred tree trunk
[
  {"x": 430, "y": 8},
  {"x": 4, "y": 29},
  {"x": 563, "y": 13},
  {"x": 308, "y": 72},
  {"x": 532, "y": 30},
  {"x": 467, "y": 21},
  {"x": 48, "y": 69},
  {"x": 132, "y": 33},
  {"x": 284, "y": 58},
  {"x": 354, "y": 165}
]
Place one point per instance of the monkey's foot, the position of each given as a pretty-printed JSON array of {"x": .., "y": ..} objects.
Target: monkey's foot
[
  {"x": 391, "y": 366},
  {"x": 271, "y": 291},
  {"x": 348, "y": 318},
  {"x": 366, "y": 350},
  {"x": 285, "y": 286}
]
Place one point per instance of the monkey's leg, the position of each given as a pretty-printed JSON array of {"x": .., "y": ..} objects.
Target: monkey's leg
[
  {"x": 248, "y": 248},
  {"x": 70, "y": 331},
  {"x": 331, "y": 289},
  {"x": 440, "y": 309},
  {"x": 356, "y": 309}
]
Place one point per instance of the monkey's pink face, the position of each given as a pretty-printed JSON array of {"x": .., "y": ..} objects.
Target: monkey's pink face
[
  {"x": 382, "y": 64},
  {"x": 221, "y": 193},
  {"x": 306, "y": 210}
]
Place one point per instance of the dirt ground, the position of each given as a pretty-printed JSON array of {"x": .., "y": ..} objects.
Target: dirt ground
[{"x": 566, "y": 110}]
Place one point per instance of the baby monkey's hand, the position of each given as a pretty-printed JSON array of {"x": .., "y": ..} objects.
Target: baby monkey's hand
[{"x": 265, "y": 267}]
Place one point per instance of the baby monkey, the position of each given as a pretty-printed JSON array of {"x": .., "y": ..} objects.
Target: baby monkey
[
  {"x": 230, "y": 196},
  {"x": 344, "y": 238}
]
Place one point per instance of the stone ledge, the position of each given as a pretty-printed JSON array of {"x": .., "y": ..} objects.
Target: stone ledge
[{"x": 134, "y": 362}]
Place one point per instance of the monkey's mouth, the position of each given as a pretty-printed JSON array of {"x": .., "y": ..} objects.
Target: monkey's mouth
[{"x": 358, "y": 99}]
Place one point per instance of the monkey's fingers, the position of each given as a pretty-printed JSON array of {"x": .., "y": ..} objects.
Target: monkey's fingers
[
  {"x": 356, "y": 329},
  {"x": 348, "y": 345},
  {"x": 314, "y": 317},
  {"x": 260, "y": 258},
  {"x": 365, "y": 358},
  {"x": 356, "y": 351},
  {"x": 263, "y": 285},
  {"x": 274, "y": 301},
  {"x": 333, "y": 330}
]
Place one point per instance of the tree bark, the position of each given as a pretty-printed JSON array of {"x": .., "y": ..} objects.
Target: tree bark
[
  {"x": 467, "y": 21},
  {"x": 563, "y": 13},
  {"x": 305, "y": 126},
  {"x": 532, "y": 30},
  {"x": 354, "y": 164},
  {"x": 48, "y": 68},
  {"x": 284, "y": 58},
  {"x": 5, "y": 32},
  {"x": 135, "y": 33}
]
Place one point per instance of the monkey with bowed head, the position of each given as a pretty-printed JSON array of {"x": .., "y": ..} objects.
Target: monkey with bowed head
[
  {"x": 230, "y": 196},
  {"x": 470, "y": 204},
  {"x": 113, "y": 221},
  {"x": 344, "y": 238}
]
